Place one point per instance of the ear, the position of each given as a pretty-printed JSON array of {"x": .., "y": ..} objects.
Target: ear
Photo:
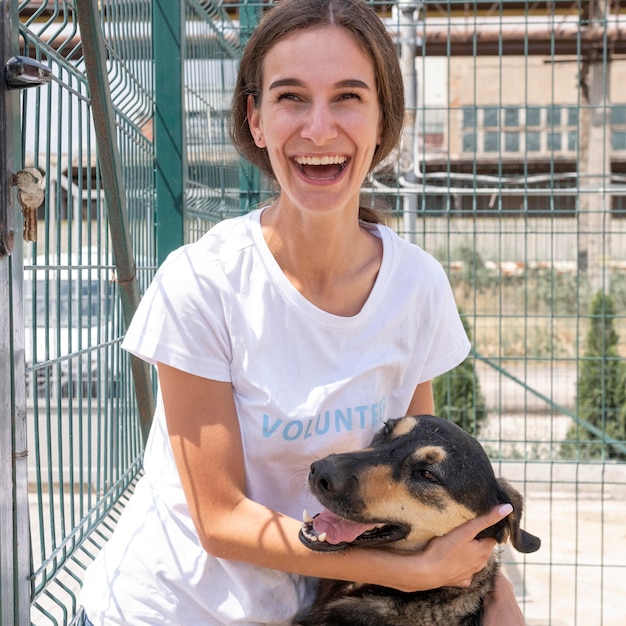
[
  {"x": 522, "y": 541},
  {"x": 254, "y": 122}
]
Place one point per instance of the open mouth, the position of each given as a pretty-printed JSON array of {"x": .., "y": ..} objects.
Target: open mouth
[
  {"x": 327, "y": 532},
  {"x": 321, "y": 168}
]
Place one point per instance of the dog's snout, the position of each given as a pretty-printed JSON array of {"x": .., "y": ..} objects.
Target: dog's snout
[{"x": 324, "y": 477}]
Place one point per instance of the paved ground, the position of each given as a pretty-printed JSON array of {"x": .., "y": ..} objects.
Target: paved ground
[{"x": 578, "y": 577}]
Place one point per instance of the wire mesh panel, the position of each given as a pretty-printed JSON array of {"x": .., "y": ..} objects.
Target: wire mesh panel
[
  {"x": 213, "y": 48},
  {"x": 512, "y": 172},
  {"x": 514, "y": 180},
  {"x": 84, "y": 438}
]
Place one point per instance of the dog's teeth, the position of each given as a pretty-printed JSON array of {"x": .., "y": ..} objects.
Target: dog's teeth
[
  {"x": 321, "y": 537},
  {"x": 306, "y": 517},
  {"x": 306, "y": 531}
]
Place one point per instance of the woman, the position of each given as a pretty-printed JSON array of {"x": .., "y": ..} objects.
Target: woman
[{"x": 281, "y": 336}]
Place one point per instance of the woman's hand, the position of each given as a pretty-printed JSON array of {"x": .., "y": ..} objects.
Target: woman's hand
[{"x": 452, "y": 559}]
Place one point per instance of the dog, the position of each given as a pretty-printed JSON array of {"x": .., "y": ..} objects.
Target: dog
[{"x": 420, "y": 477}]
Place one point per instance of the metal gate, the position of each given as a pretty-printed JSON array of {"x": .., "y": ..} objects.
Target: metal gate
[
  {"x": 72, "y": 419},
  {"x": 512, "y": 173}
]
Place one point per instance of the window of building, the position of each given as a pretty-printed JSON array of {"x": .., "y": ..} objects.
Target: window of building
[
  {"x": 492, "y": 142},
  {"x": 533, "y": 116},
  {"x": 618, "y": 127},
  {"x": 533, "y": 141},
  {"x": 553, "y": 116},
  {"x": 618, "y": 115},
  {"x": 554, "y": 141},
  {"x": 512, "y": 142},
  {"x": 572, "y": 116},
  {"x": 618, "y": 140},
  {"x": 511, "y": 116},
  {"x": 491, "y": 117},
  {"x": 469, "y": 142},
  {"x": 547, "y": 129},
  {"x": 469, "y": 117},
  {"x": 572, "y": 140}
]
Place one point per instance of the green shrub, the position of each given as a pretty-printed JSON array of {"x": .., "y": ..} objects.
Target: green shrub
[
  {"x": 457, "y": 393},
  {"x": 474, "y": 274},
  {"x": 600, "y": 389}
]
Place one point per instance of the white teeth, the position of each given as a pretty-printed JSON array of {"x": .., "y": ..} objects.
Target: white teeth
[
  {"x": 325, "y": 160},
  {"x": 308, "y": 530}
]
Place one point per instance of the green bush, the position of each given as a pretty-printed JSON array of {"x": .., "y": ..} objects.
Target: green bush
[
  {"x": 457, "y": 393},
  {"x": 474, "y": 274},
  {"x": 600, "y": 389},
  {"x": 559, "y": 292}
]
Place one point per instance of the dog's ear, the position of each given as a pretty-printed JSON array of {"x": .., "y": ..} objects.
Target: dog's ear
[{"x": 522, "y": 541}]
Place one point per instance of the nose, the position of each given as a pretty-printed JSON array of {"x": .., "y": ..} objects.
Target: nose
[
  {"x": 328, "y": 477},
  {"x": 319, "y": 125}
]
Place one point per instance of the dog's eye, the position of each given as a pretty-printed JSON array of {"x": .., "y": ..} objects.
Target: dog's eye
[
  {"x": 387, "y": 428},
  {"x": 428, "y": 475}
]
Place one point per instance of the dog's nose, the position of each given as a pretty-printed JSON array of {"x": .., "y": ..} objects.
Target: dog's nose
[{"x": 324, "y": 477}]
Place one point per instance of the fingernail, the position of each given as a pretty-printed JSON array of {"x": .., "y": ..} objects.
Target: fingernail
[{"x": 505, "y": 509}]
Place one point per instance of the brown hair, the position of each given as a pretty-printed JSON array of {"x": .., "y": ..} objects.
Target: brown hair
[{"x": 289, "y": 16}]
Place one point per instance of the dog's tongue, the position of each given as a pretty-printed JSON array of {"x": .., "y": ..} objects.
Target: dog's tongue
[{"x": 338, "y": 530}]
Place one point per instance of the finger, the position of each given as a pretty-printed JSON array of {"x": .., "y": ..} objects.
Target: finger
[
  {"x": 462, "y": 583},
  {"x": 474, "y": 526}
]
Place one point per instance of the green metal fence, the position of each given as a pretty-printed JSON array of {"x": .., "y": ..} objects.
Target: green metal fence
[
  {"x": 512, "y": 172},
  {"x": 84, "y": 440}
]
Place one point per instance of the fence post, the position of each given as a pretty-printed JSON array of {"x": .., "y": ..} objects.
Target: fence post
[
  {"x": 595, "y": 156},
  {"x": 114, "y": 190},
  {"x": 168, "y": 31},
  {"x": 407, "y": 30},
  {"x": 249, "y": 176},
  {"x": 14, "y": 526}
]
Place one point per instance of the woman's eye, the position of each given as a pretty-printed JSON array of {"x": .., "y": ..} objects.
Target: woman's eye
[
  {"x": 288, "y": 96},
  {"x": 349, "y": 96}
]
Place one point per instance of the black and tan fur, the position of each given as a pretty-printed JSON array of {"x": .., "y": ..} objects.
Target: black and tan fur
[{"x": 419, "y": 478}]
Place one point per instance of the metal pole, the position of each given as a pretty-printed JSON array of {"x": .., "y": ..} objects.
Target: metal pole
[
  {"x": 14, "y": 524},
  {"x": 169, "y": 124},
  {"x": 249, "y": 176},
  {"x": 115, "y": 194},
  {"x": 408, "y": 46},
  {"x": 595, "y": 161}
]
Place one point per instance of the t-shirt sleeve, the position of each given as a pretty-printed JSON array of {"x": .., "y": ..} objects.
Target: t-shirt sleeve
[
  {"x": 181, "y": 319},
  {"x": 447, "y": 344}
]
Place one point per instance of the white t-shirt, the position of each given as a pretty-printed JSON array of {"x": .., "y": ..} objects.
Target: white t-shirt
[{"x": 306, "y": 383}]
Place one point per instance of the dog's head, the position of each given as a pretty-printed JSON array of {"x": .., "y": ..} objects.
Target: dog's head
[{"x": 419, "y": 478}]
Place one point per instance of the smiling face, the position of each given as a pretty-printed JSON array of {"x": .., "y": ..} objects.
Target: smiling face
[{"x": 318, "y": 117}]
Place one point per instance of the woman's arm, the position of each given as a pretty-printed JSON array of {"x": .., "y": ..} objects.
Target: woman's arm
[
  {"x": 501, "y": 606},
  {"x": 422, "y": 402},
  {"x": 205, "y": 437}
]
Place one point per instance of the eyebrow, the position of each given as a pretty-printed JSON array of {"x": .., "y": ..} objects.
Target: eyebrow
[{"x": 350, "y": 83}]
